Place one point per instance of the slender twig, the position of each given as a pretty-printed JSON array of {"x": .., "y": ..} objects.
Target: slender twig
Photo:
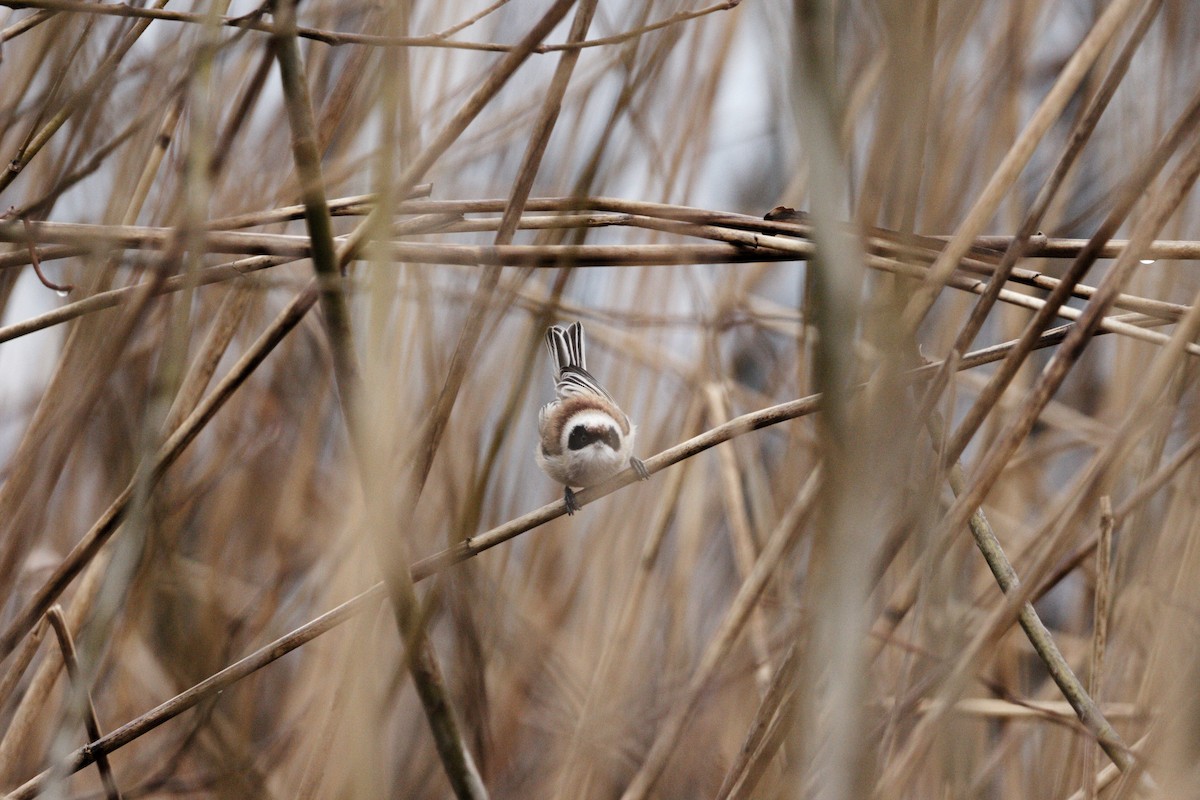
[
  {"x": 757, "y": 750},
  {"x": 323, "y": 253},
  {"x": 252, "y": 23},
  {"x": 1100, "y": 610},
  {"x": 675, "y": 19},
  {"x": 469, "y": 21},
  {"x": 37, "y": 265},
  {"x": 21, "y": 258},
  {"x": 337, "y": 38},
  {"x": 1140, "y": 495},
  {"x": 1039, "y": 635},
  {"x": 115, "y": 297},
  {"x": 25, "y": 25},
  {"x": 88, "y": 708},
  {"x": 288, "y": 213}
]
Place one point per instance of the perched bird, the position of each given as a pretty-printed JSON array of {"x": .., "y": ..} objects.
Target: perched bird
[{"x": 585, "y": 436}]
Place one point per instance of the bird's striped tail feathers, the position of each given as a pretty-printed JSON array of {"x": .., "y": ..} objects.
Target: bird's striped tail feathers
[{"x": 566, "y": 347}]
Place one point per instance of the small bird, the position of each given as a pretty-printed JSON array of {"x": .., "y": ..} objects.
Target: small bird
[{"x": 585, "y": 437}]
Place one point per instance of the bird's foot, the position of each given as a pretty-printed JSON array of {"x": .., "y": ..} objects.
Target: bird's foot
[
  {"x": 640, "y": 468},
  {"x": 569, "y": 499}
]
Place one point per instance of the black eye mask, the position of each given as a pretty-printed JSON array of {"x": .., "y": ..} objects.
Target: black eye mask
[{"x": 581, "y": 436}]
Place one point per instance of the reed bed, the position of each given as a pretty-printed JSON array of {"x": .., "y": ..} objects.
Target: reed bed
[{"x": 901, "y": 296}]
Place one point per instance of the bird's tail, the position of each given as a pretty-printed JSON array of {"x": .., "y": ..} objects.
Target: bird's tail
[{"x": 566, "y": 347}]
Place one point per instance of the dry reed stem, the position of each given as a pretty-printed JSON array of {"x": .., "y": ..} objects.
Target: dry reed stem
[
  {"x": 176, "y": 149},
  {"x": 745, "y": 546},
  {"x": 82, "y": 695},
  {"x": 1039, "y": 635},
  {"x": 116, "y": 297},
  {"x": 338, "y": 38},
  {"x": 763, "y": 737},
  {"x": 1100, "y": 613}
]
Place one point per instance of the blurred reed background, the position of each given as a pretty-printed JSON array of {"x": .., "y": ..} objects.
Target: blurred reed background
[{"x": 287, "y": 343}]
